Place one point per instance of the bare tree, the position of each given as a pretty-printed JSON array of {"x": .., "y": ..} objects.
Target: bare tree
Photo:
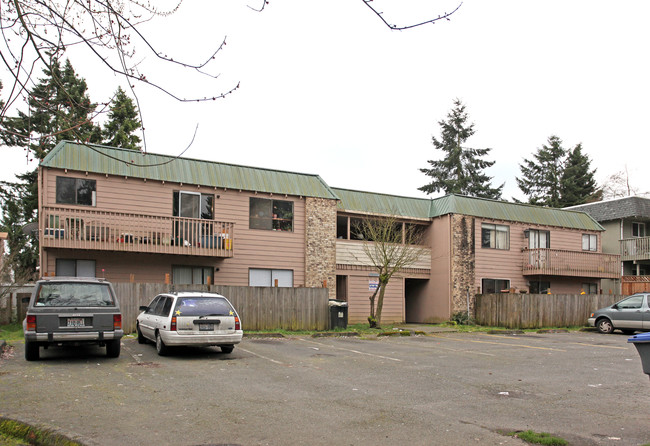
[
  {"x": 444, "y": 16},
  {"x": 618, "y": 185},
  {"x": 36, "y": 33},
  {"x": 390, "y": 246}
]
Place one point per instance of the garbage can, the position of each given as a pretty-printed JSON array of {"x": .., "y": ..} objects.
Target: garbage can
[
  {"x": 338, "y": 314},
  {"x": 642, "y": 344}
]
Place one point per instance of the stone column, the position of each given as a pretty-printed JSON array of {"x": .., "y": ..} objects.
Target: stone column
[{"x": 320, "y": 243}]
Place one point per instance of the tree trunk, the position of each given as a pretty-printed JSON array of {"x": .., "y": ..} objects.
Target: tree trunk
[
  {"x": 380, "y": 303},
  {"x": 372, "y": 319}
]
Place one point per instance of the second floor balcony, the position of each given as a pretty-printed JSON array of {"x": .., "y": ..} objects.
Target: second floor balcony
[
  {"x": 561, "y": 262},
  {"x": 117, "y": 231},
  {"x": 637, "y": 248}
]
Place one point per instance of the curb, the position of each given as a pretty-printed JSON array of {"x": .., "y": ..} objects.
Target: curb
[{"x": 331, "y": 334}]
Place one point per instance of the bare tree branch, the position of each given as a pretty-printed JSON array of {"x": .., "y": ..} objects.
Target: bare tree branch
[{"x": 379, "y": 14}]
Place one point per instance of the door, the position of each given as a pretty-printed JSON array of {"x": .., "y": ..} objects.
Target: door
[
  {"x": 147, "y": 320},
  {"x": 630, "y": 312}
]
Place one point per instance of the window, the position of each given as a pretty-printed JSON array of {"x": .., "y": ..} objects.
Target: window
[
  {"x": 341, "y": 227},
  {"x": 590, "y": 288},
  {"x": 539, "y": 239},
  {"x": 638, "y": 229},
  {"x": 272, "y": 215},
  {"x": 270, "y": 277},
  {"x": 631, "y": 303},
  {"x": 539, "y": 287},
  {"x": 75, "y": 268},
  {"x": 76, "y": 191},
  {"x": 589, "y": 242},
  {"x": 193, "y": 205},
  {"x": 495, "y": 236},
  {"x": 492, "y": 286},
  {"x": 193, "y": 275}
]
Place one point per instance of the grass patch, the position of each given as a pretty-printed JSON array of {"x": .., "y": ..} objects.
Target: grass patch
[
  {"x": 12, "y": 332},
  {"x": 16, "y": 433},
  {"x": 542, "y": 438}
]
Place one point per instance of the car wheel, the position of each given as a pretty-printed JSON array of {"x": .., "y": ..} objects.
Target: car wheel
[
  {"x": 31, "y": 351},
  {"x": 227, "y": 348},
  {"x": 161, "y": 348},
  {"x": 113, "y": 348},
  {"x": 605, "y": 326},
  {"x": 141, "y": 338}
]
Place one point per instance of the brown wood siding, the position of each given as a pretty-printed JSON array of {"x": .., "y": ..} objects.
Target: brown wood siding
[
  {"x": 252, "y": 248},
  {"x": 359, "y": 302},
  {"x": 507, "y": 264}
]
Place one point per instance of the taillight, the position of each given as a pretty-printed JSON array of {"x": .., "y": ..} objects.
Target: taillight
[
  {"x": 31, "y": 323},
  {"x": 237, "y": 323},
  {"x": 173, "y": 325},
  {"x": 117, "y": 322}
]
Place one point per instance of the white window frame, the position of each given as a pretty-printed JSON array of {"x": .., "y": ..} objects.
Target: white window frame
[
  {"x": 590, "y": 242},
  {"x": 267, "y": 277},
  {"x": 499, "y": 236},
  {"x": 640, "y": 229}
]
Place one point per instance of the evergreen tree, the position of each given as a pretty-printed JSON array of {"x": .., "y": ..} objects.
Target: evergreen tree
[
  {"x": 540, "y": 177},
  {"x": 461, "y": 170},
  {"x": 59, "y": 108},
  {"x": 577, "y": 183},
  {"x": 123, "y": 121}
]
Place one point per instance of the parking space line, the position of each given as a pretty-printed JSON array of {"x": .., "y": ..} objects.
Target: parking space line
[
  {"x": 352, "y": 351},
  {"x": 501, "y": 343},
  {"x": 601, "y": 346},
  {"x": 262, "y": 356}
]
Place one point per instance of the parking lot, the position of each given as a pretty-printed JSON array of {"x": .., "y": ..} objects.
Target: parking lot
[{"x": 446, "y": 388}]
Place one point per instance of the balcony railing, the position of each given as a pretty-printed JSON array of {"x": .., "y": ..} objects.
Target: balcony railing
[
  {"x": 637, "y": 248},
  {"x": 560, "y": 262},
  {"x": 120, "y": 231}
]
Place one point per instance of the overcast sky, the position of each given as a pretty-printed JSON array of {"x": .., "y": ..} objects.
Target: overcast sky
[{"x": 327, "y": 88}]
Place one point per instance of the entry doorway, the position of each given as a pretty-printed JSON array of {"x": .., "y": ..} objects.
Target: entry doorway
[
  {"x": 415, "y": 300},
  {"x": 342, "y": 288}
]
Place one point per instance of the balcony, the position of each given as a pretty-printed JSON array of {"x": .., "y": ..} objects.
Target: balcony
[
  {"x": 560, "y": 262},
  {"x": 637, "y": 248},
  {"x": 120, "y": 231}
]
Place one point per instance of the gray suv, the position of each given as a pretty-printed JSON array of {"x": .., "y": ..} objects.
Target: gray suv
[{"x": 72, "y": 311}]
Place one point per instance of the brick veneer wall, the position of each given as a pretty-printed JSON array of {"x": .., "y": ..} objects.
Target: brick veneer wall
[
  {"x": 320, "y": 249},
  {"x": 463, "y": 262}
]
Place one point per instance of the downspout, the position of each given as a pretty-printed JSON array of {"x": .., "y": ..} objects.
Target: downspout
[{"x": 451, "y": 262}]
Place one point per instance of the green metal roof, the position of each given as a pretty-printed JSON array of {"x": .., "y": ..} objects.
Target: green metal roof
[
  {"x": 130, "y": 163},
  {"x": 425, "y": 208},
  {"x": 503, "y": 210},
  {"x": 372, "y": 203}
]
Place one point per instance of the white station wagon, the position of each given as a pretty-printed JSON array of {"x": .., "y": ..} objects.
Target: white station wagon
[{"x": 189, "y": 319}]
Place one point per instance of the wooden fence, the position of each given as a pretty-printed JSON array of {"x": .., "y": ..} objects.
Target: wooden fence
[
  {"x": 260, "y": 308},
  {"x": 538, "y": 310}
]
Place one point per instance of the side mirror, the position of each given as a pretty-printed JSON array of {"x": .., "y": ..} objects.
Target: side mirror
[
  {"x": 615, "y": 307},
  {"x": 144, "y": 308}
]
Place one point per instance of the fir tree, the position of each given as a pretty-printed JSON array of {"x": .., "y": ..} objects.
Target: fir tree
[
  {"x": 59, "y": 108},
  {"x": 577, "y": 183},
  {"x": 540, "y": 177},
  {"x": 461, "y": 170},
  {"x": 123, "y": 121}
]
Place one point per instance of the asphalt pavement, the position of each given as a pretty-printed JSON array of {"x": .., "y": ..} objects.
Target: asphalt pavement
[{"x": 442, "y": 388}]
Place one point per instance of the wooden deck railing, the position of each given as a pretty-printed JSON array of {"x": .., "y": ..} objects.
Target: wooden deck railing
[
  {"x": 120, "y": 231},
  {"x": 637, "y": 248},
  {"x": 560, "y": 262}
]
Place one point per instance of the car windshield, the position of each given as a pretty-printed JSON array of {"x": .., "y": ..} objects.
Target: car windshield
[
  {"x": 203, "y": 306},
  {"x": 74, "y": 295}
]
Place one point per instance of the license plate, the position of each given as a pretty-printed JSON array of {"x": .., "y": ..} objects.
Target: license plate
[
  {"x": 76, "y": 322},
  {"x": 206, "y": 327}
]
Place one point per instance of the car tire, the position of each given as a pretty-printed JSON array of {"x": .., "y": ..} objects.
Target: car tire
[
  {"x": 141, "y": 338},
  {"x": 113, "y": 348},
  {"x": 227, "y": 348},
  {"x": 31, "y": 351},
  {"x": 161, "y": 348},
  {"x": 605, "y": 326}
]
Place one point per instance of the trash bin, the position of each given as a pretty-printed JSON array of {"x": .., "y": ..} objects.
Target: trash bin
[
  {"x": 642, "y": 344},
  {"x": 338, "y": 314}
]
